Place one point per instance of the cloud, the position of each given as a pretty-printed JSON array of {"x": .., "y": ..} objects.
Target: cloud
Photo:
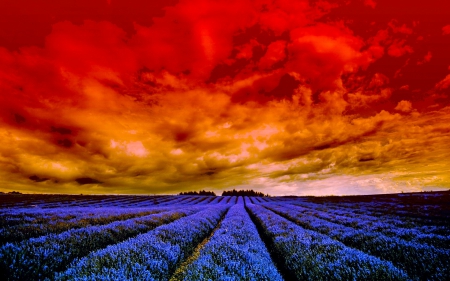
[
  {"x": 339, "y": 185},
  {"x": 101, "y": 45},
  {"x": 376, "y": 90},
  {"x": 398, "y": 48},
  {"x": 396, "y": 28},
  {"x": 322, "y": 53},
  {"x": 83, "y": 181},
  {"x": 134, "y": 148},
  {"x": 404, "y": 106},
  {"x": 218, "y": 94},
  {"x": 446, "y": 30},
  {"x": 370, "y": 3},
  {"x": 197, "y": 26},
  {"x": 276, "y": 53},
  {"x": 444, "y": 83},
  {"x": 426, "y": 58}
]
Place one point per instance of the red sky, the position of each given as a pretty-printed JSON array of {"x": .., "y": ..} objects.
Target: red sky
[{"x": 284, "y": 97}]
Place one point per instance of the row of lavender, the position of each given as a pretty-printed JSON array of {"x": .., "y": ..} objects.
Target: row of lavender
[
  {"x": 410, "y": 229},
  {"x": 428, "y": 207},
  {"x": 424, "y": 257},
  {"x": 81, "y": 231},
  {"x": 220, "y": 238},
  {"x": 56, "y": 201},
  {"x": 17, "y": 224}
]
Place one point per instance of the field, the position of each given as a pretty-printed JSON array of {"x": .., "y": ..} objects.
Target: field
[{"x": 379, "y": 237}]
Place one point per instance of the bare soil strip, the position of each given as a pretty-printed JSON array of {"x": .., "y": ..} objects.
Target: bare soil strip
[{"x": 179, "y": 272}]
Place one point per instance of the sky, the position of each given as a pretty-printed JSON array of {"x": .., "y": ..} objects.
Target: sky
[{"x": 305, "y": 97}]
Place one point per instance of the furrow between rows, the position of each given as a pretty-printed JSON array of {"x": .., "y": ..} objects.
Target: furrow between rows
[{"x": 181, "y": 270}]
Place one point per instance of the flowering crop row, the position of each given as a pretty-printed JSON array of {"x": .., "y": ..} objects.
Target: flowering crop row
[
  {"x": 422, "y": 214},
  {"x": 309, "y": 255},
  {"x": 332, "y": 210},
  {"x": 178, "y": 200},
  {"x": 13, "y": 217},
  {"x": 194, "y": 238},
  {"x": 420, "y": 225},
  {"x": 207, "y": 200},
  {"x": 59, "y": 201},
  {"x": 45, "y": 225},
  {"x": 150, "y": 256},
  {"x": 234, "y": 252},
  {"x": 216, "y": 200},
  {"x": 39, "y": 258},
  {"x": 389, "y": 228},
  {"x": 368, "y": 211},
  {"x": 420, "y": 261}
]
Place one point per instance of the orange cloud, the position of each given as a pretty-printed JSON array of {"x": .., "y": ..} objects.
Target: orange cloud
[
  {"x": 404, "y": 106},
  {"x": 219, "y": 94}
]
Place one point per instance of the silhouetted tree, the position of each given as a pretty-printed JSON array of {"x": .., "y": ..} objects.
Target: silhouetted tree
[{"x": 14, "y": 192}]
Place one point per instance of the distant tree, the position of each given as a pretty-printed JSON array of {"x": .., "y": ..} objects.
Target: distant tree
[
  {"x": 201, "y": 192},
  {"x": 14, "y": 192},
  {"x": 250, "y": 192}
]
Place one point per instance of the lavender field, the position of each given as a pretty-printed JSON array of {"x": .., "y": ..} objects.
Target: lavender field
[{"x": 378, "y": 237}]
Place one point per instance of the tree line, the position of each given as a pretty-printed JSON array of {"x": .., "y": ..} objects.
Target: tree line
[
  {"x": 233, "y": 192},
  {"x": 201, "y": 192},
  {"x": 249, "y": 192}
]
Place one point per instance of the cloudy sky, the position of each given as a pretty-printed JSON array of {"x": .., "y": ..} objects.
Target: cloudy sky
[{"x": 284, "y": 97}]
